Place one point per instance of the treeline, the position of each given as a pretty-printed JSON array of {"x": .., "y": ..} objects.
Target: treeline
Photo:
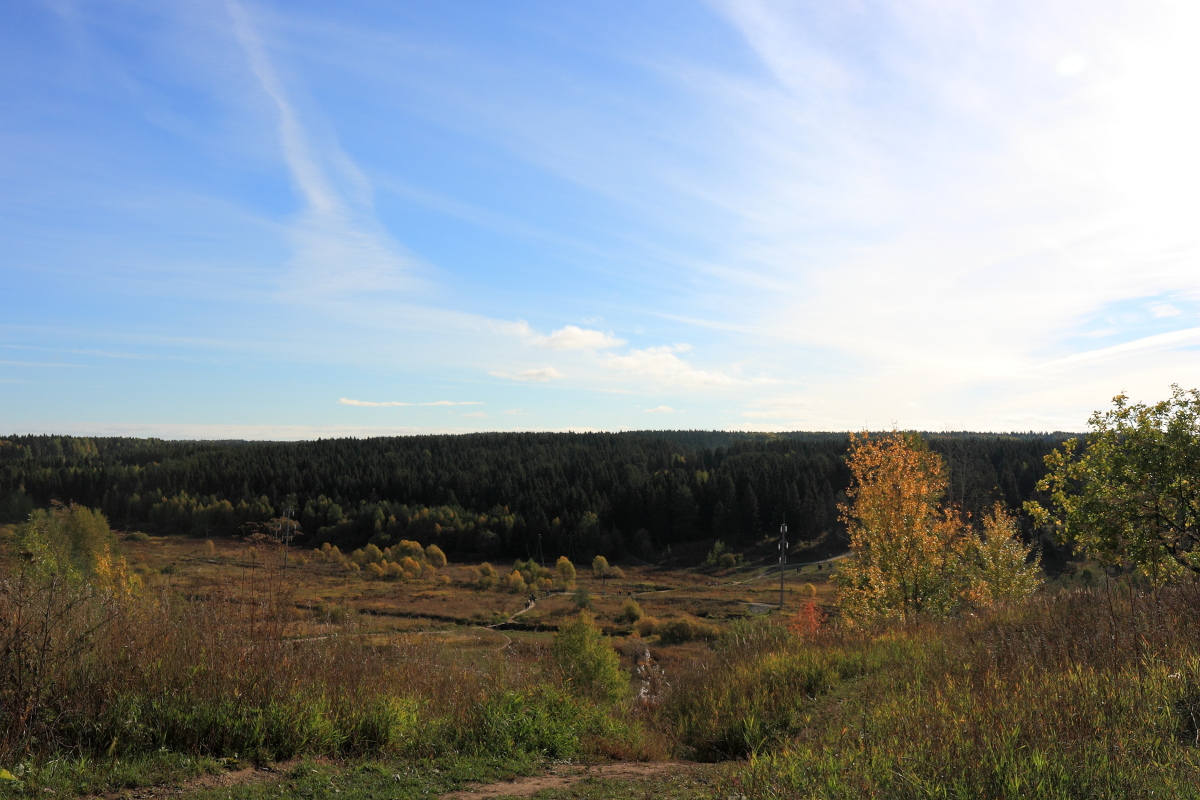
[{"x": 492, "y": 494}]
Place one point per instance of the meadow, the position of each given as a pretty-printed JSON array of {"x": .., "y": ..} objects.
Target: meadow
[{"x": 225, "y": 658}]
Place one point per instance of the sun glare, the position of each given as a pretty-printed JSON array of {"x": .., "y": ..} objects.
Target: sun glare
[{"x": 1150, "y": 157}]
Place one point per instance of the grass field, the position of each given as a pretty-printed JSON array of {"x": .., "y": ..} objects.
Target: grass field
[
  {"x": 280, "y": 660},
  {"x": 224, "y": 662},
  {"x": 326, "y": 598}
]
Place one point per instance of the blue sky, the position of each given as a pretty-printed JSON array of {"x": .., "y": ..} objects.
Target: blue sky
[{"x": 291, "y": 220}]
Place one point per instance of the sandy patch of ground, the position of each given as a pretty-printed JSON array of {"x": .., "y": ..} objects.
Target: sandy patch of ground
[
  {"x": 234, "y": 777},
  {"x": 562, "y": 776}
]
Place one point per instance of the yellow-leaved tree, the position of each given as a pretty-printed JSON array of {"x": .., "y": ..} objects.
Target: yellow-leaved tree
[
  {"x": 913, "y": 554},
  {"x": 71, "y": 543}
]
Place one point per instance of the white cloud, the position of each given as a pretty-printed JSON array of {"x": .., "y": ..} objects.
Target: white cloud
[
  {"x": 660, "y": 410},
  {"x": 477, "y": 414},
  {"x": 346, "y": 401},
  {"x": 574, "y": 338},
  {"x": 569, "y": 337},
  {"x": 662, "y": 363},
  {"x": 1161, "y": 310},
  {"x": 1161, "y": 341},
  {"x": 1072, "y": 65},
  {"x": 339, "y": 246},
  {"x": 538, "y": 375}
]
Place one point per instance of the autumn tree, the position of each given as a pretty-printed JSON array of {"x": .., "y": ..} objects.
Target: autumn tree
[
  {"x": 71, "y": 542},
  {"x": 566, "y": 572},
  {"x": 602, "y": 570},
  {"x": 1131, "y": 495},
  {"x": 912, "y": 553},
  {"x": 1002, "y": 570},
  {"x": 587, "y": 663}
]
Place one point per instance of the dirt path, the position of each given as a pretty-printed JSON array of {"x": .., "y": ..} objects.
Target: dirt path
[
  {"x": 563, "y": 776},
  {"x": 221, "y": 780}
]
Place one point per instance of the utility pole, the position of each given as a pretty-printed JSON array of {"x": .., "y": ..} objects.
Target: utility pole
[
  {"x": 286, "y": 534},
  {"x": 783, "y": 546}
]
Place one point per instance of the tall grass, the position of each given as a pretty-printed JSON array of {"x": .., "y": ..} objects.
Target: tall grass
[
  {"x": 115, "y": 674},
  {"x": 1086, "y": 694}
]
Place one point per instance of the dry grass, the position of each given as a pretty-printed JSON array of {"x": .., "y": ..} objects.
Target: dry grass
[
  {"x": 219, "y": 656},
  {"x": 1084, "y": 694},
  {"x": 385, "y": 608}
]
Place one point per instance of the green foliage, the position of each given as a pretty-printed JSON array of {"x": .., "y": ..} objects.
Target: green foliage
[
  {"x": 631, "y": 611},
  {"x": 435, "y": 555},
  {"x": 681, "y": 629},
  {"x": 1000, "y": 569},
  {"x": 586, "y": 662},
  {"x": 459, "y": 492},
  {"x": 719, "y": 557},
  {"x": 757, "y": 693},
  {"x": 545, "y": 721},
  {"x": 1131, "y": 496},
  {"x": 566, "y": 572},
  {"x": 953, "y": 710},
  {"x": 487, "y": 576},
  {"x": 71, "y": 542},
  {"x": 514, "y": 583}
]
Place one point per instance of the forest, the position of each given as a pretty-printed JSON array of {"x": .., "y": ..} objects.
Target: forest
[{"x": 495, "y": 494}]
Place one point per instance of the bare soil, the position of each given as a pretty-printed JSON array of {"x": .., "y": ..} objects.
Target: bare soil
[
  {"x": 563, "y": 776},
  {"x": 234, "y": 777}
]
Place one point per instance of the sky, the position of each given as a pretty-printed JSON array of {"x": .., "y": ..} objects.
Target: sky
[{"x": 291, "y": 220}]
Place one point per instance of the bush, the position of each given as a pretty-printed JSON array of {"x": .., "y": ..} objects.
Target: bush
[
  {"x": 582, "y": 598},
  {"x": 679, "y": 630},
  {"x": 566, "y": 572},
  {"x": 514, "y": 583},
  {"x": 487, "y": 576},
  {"x": 646, "y": 626},
  {"x": 587, "y": 664},
  {"x": 435, "y": 556},
  {"x": 719, "y": 557},
  {"x": 632, "y": 611}
]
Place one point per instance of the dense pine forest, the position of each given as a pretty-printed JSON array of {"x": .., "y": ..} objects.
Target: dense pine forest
[{"x": 493, "y": 494}]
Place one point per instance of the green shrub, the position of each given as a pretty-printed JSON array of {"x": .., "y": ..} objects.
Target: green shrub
[
  {"x": 435, "y": 556},
  {"x": 487, "y": 576},
  {"x": 678, "y": 630},
  {"x": 514, "y": 583},
  {"x": 586, "y": 662},
  {"x": 632, "y": 612},
  {"x": 543, "y": 721}
]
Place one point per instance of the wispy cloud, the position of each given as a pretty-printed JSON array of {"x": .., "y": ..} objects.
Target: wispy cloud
[
  {"x": 339, "y": 246},
  {"x": 663, "y": 364},
  {"x": 346, "y": 401},
  {"x": 1161, "y": 341},
  {"x": 535, "y": 375},
  {"x": 660, "y": 410}
]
